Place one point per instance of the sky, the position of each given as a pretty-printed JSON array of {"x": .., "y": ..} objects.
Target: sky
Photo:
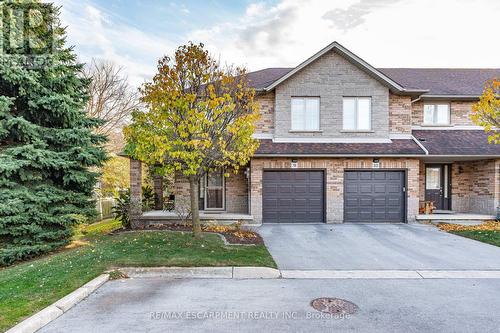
[{"x": 282, "y": 33}]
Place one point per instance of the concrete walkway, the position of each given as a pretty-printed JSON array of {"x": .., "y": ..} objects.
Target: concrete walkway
[
  {"x": 375, "y": 247},
  {"x": 282, "y": 305}
]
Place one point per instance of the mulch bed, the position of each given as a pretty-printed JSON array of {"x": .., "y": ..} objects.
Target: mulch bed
[{"x": 230, "y": 237}]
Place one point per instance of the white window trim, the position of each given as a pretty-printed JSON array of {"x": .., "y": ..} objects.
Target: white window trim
[
  {"x": 356, "y": 121},
  {"x": 298, "y": 130},
  {"x": 434, "y": 115},
  {"x": 205, "y": 194}
]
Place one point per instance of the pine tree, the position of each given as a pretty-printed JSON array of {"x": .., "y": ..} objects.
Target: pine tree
[{"x": 47, "y": 144}]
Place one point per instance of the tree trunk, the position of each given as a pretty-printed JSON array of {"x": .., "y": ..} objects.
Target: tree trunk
[{"x": 195, "y": 212}]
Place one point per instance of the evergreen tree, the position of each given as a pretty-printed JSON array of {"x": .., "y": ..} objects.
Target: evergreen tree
[{"x": 47, "y": 144}]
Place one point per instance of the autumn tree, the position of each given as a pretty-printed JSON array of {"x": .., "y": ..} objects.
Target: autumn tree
[
  {"x": 200, "y": 118},
  {"x": 111, "y": 98},
  {"x": 486, "y": 112}
]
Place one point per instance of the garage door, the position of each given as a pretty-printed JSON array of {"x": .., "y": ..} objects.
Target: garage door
[
  {"x": 293, "y": 196},
  {"x": 374, "y": 196}
]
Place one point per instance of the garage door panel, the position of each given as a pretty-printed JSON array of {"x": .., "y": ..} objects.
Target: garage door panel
[
  {"x": 299, "y": 197},
  {"x": 374, "y": 196}
]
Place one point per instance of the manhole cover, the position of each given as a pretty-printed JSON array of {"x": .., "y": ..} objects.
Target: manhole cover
[{"x": 334, "y": 305}]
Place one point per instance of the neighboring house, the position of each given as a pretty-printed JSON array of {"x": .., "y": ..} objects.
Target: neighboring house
[{"x": 342, "y": 141}]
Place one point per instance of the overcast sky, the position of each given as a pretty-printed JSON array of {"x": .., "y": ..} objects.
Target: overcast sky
[{"x": 283, "y": 33}]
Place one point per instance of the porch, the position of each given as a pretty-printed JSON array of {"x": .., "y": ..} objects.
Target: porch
[{"x": 454, "y": 218}]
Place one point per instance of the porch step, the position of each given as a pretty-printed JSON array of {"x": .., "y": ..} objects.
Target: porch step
[{"x": 455, "y": 218}]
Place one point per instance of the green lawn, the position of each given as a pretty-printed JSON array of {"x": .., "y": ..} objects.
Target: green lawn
[
  {"x": 28, "y": 287},
  {"x": 490, "y": 237}
]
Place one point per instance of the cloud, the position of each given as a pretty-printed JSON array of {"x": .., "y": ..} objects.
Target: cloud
[
  {"x": 386, "y": 33},
  {"x": 97, "y": 33},
  {"x": 354, "y": 15}
]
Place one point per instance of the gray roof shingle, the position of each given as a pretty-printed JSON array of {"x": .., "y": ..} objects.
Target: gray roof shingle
[
  {"x": 456, "y": 142},
  {"x": 439, "y": 81},
  {"x": 396, "y": 147}
]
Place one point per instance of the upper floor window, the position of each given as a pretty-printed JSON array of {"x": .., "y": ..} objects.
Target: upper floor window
[
  {"x": 305, "y": 113},
  {"x": 436, "y": 114},
  {"x": 357, "y": 114}
]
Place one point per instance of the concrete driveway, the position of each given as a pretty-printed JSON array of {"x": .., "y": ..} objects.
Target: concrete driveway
[
  {"x": 282, "y": 305},
  {"x": 375, "y": 247}
]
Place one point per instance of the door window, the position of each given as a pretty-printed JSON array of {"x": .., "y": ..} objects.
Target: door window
[{"x": 433, "y": 178}]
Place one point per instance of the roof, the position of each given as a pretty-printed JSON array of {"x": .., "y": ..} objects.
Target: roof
[
  {"x": 429, "y": 82},
  {"x": 263, "y": 78},
  {"x": 396, "y": 147},
  {"x": 353, "y": 58},
  {"x": 456, "y": 142},
  {"x": 444, "y": 81}
]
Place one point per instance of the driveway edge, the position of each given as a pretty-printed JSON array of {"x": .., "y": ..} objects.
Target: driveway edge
[{"x": 45, "y": 316}]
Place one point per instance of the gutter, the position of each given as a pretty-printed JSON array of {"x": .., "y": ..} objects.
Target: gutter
[{"x": 374, "y": 155}]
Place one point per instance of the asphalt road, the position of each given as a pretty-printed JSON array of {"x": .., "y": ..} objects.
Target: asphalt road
[{"x": 283, "y": 305}]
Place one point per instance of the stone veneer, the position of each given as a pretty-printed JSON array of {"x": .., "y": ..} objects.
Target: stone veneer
[
  {"x": 334, "y": 181},
  {"x": 460, "y": 111},
  {"x": 331, "y": 77}
]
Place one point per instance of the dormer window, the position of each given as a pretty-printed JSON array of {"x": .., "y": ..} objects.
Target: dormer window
[
  {"x": 437, "y": 114},
  {"x": 305, "y": 114}
]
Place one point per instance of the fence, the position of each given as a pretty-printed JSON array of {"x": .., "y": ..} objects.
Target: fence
[{"x": 104, "y": 207}]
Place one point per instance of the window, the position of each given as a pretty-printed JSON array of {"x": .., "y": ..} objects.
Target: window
[
  {"x": 357, "y": 114},
  {"x": 432, "y": 178},
  {"x": 436, "y": 114},
  {"x": 305, "y": 113},
  {"x": 212, "y": 191}
]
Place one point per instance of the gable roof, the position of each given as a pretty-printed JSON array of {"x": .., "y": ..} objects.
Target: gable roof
[
  {"x": 363, "y": 65},
  {"x": 427, "y": 82}
]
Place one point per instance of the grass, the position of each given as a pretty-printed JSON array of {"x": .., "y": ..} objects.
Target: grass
[
  {"x": 491, "y": 237},
  {"x": 29, "y": 287}
]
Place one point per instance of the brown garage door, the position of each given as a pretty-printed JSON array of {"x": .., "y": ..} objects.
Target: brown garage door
[
  {"x": 374, "y": 196},
  {"x": 293, "y": 196}
]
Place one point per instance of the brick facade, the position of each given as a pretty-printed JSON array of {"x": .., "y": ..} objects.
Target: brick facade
[
  {"x": 135, "y": 192},
  {"x": 460, "y": 112},
  {"x": 266, "y": 122},
  {"x": 236, "y": 186},
  {"x": 475, "y": 186},
  {"x": 399, "y": 114},
  {"x": 334, "y": 181}
]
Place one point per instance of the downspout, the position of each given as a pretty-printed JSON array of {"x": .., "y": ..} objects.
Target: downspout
[{"x": 420, "y": 145}]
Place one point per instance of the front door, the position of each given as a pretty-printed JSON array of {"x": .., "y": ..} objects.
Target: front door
[{"x": 437, "y": 185}]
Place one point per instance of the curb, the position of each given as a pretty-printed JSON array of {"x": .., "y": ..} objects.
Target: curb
[
  {"x": 230, "y": 272},
  {"x": 247, "y": 272},
  {"x": 45, "y": 316}
]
